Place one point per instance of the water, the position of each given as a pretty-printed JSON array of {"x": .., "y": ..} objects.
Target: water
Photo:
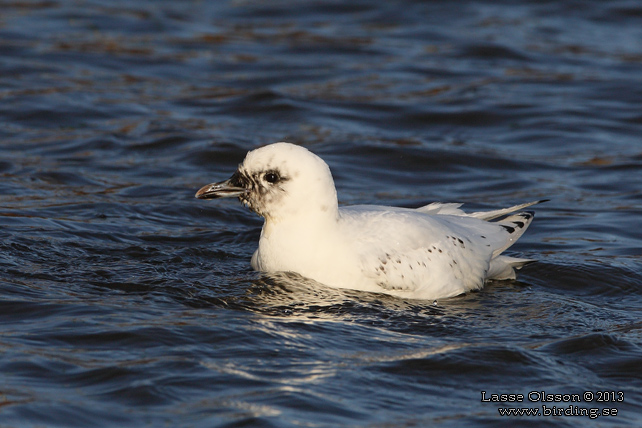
[{"x": 126, "y": 302}]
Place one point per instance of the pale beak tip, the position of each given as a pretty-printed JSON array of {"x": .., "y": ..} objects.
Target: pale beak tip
[{"x": 206, "y": 192}]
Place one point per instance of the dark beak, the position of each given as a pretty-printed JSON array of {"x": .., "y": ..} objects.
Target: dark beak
[{"x": 224, "y": 189}]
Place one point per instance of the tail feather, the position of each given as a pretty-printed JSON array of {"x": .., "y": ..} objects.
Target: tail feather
[
  {"x": 442, "y": 208},
  {"x": 490, "y": 215},
  {"x": 454, "y": 209},
  {"x": 503, "y": 267}
]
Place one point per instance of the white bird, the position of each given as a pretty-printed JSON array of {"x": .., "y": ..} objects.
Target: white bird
[{"x": 432, "y": 252}]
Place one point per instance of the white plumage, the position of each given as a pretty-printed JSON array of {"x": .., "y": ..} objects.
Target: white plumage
[{"x": 431, "y": 252}]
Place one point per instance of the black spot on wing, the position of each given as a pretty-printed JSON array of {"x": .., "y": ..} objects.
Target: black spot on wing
[
  {"x": 509, "y": 229},
  {"x": 516, "y": 224},
  {"x": 526, "y": 215}
]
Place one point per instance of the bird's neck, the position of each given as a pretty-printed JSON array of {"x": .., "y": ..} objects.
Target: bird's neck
[
  {"x": 301, "y": 222},
  {"x": 296, "y": 243}
]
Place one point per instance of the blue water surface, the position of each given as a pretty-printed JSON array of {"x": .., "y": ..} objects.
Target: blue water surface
[{"x": 125, "y": 302}]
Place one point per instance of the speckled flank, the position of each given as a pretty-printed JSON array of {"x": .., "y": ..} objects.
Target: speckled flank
[
  {"x": 411, "y": 270},
  {"x": 457, "y": 240}
]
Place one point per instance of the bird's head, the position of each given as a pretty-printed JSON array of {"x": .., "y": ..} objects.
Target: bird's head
[{"x": 278, "y": 181}]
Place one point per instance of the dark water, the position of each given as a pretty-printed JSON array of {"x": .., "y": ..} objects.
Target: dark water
[{"x": 126, "y": 302}]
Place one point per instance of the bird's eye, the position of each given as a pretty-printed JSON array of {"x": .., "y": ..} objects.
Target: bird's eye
[{"x": 271, "y": 177}]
